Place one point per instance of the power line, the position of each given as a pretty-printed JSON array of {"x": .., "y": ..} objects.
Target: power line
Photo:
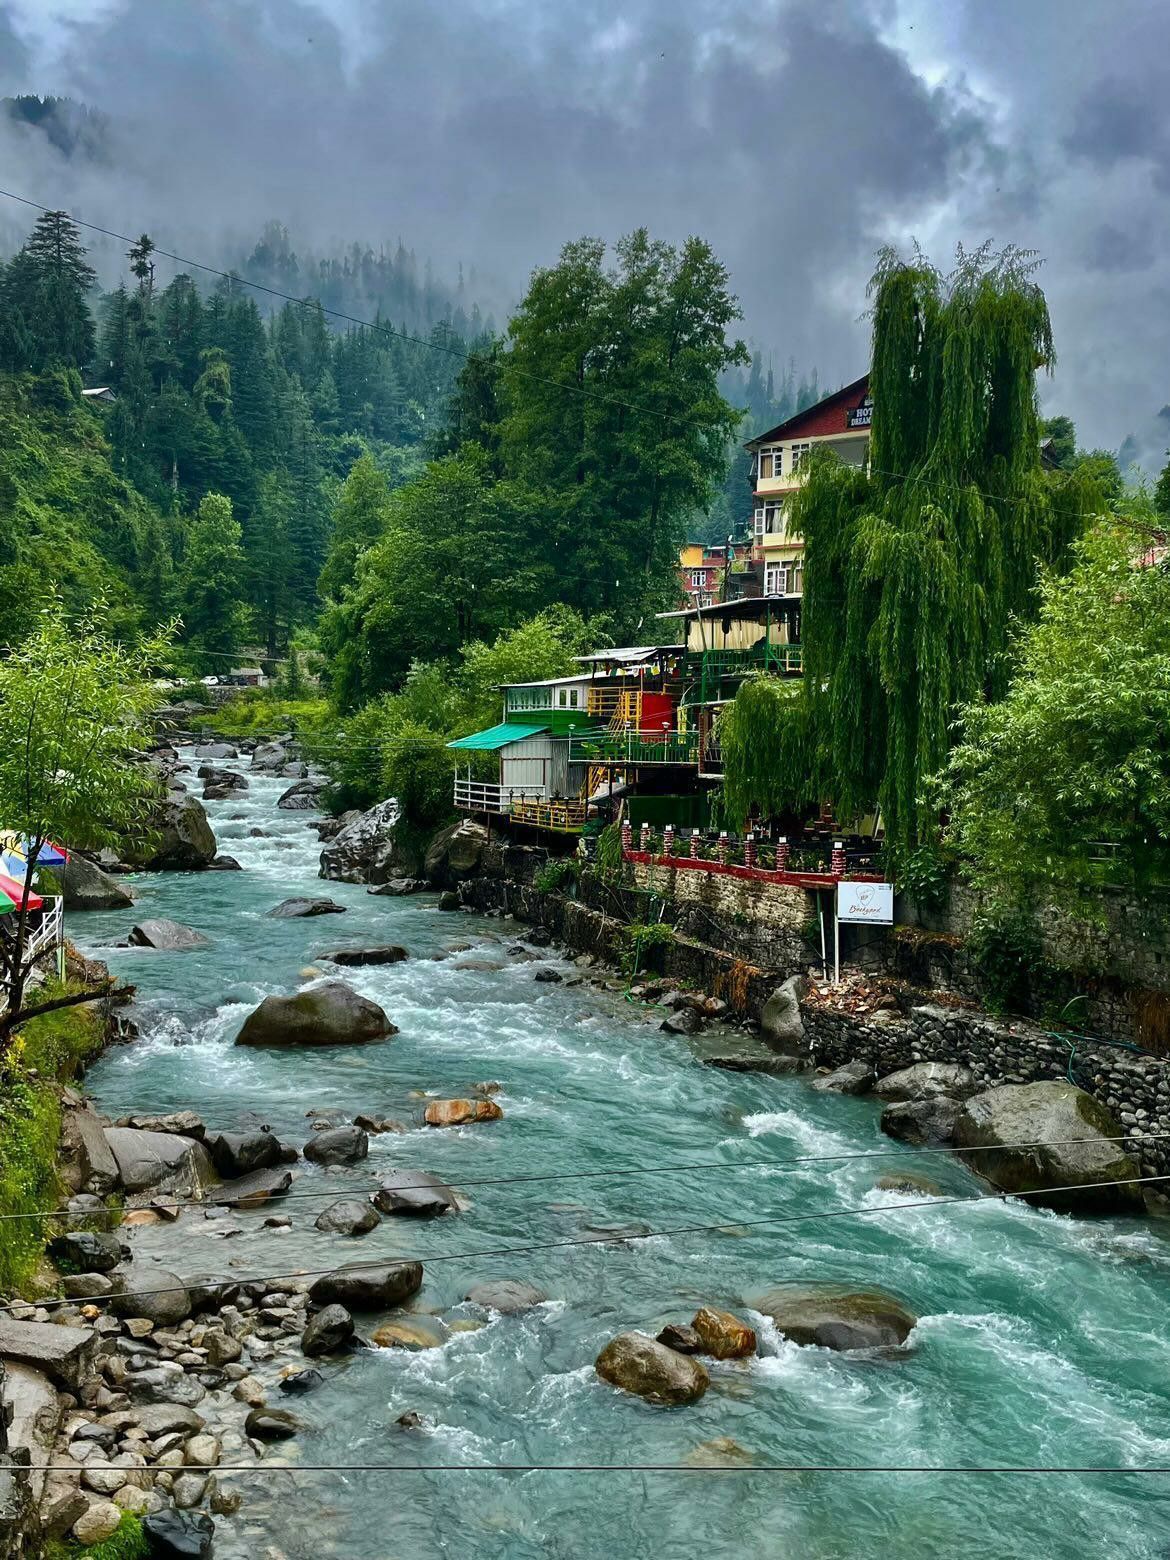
[
  {"x": 280, "y": 1469},
  {"x": 797, "y": 1160},
  {"x": 729, "y": 1225},
  {"x": 600, "y": 396}
]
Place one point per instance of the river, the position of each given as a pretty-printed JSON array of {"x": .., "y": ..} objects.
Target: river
[{"x": 1042, "y": 1339}]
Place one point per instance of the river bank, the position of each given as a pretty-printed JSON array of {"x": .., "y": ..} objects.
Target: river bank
[{"x": 1033, "y": 1341}]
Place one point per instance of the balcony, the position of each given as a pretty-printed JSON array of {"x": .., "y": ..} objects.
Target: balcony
[
  {"x": 636, "y": 748},
  {"x": 478, "y": 797},
  {"x": 497, "y": 801},
  {"x": 562, "y": 816}
]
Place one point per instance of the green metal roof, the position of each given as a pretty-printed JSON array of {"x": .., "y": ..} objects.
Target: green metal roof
[{"x": 496, "y": 737}]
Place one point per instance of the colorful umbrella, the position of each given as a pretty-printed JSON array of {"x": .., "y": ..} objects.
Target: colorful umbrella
[
  {"x": 14, "y": 891},
  {"x": 15, "y": 847}
]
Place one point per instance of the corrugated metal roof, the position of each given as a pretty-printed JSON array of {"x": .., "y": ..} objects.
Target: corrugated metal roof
[{"x": 496, "y": 737}]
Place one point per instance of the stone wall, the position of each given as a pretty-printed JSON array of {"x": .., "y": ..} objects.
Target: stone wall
[
  {"x": 766, "y": 923},
  {"x": 1136, "y": 1088}
]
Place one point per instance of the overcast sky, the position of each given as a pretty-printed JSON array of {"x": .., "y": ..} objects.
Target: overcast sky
[{"x": 796, "y": 137}]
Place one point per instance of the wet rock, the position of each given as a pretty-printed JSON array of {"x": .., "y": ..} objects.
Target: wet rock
[
  {"x": 395, "y": 888},
  {"x": 302, "y": 1381},
  {"x": 188, "y": 1490},
  {"x": 77, "y": 1286},
  {"x": 506, "y": 1295},
  {"x": 910, "y": 1182},
  {"x": 723, "y": 1335},
  {"x": 448, "y": 900},
  {"x": 357, "y": 957},
  {"x": 410, "y": 1332},
  {"x": 780, "y": 1022},
  {"x": 300, "y": 907},
  {"x": 159, "y": 1419},
  {"x": 338, "y": 1146},
  {"x": 370, "y": 1287},
  {"x": 160, "y": 1161},
  {"x": 302, "y": 796},
  {"x": 330, "y": 1014},
  {"x": 237, "y": 1154},
  {"x": 366, "y": 849},
  {"x": 64, "y": 1354},
  {"x": 455, "y": 853},
  {"x": 154, "y": 1293},
  {"x": 721, "y": 1452},
  {"x": 179, "y": 1535},
  {"x": 217, "y": 750},
  {"x": 348, "y": 1216},
  {"x": 328, "y": 1332},
  {"x": 683, "y": 1021},
  {"x": 458, "y": 1113},
  {"x": 1050, "y": 1115},
  {"x": 415, "y": 1193},
  {"x": 835, "y": 1318},
  {"x": 97, "y": 1522},
  {"x": 85, "y": 1160},
  {"x": 224, "y": 864},
  {"x": 252, "y": 1190},
  {"x": 639, "y": 1364},
  {"x": 85, "y": 886},
  {"x": 682, "y": 1339},
  {"x": 269, "y": 757},
  {"x": 376, "y": 1125},
  {"x": 926, "y": 1123},
  {"x": 548, "y": 977},
  {"x": 927, "y": 1081},
  {"x": 220, "y": 1349},
  {"x": 180, "y": 837},
  {"x": 181, "y": 1123},
  {"x": 158, "y": 1385},
  {"x": 272, "y": 1424},
  {"x": 223, "y": 791},
  {"x": 87, "y": 1251},
  {"x": 853, "y": 1078},
  {"x": 410, "y": 1420}
]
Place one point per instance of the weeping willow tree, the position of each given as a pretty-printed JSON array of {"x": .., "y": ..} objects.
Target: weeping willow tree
[{"x": 915, "y": 569}]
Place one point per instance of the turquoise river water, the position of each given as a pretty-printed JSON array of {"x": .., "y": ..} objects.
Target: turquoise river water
[{"x": 1042, "y": 1339}]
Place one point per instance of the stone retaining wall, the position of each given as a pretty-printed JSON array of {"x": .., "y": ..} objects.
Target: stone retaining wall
[{"x": 1136, "y": 1088}]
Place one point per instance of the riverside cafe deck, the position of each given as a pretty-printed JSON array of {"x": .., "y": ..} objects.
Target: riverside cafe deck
[{"x": 44, "y": 914}]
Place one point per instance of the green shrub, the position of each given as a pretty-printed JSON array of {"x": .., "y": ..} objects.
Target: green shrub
[
  {"x": 641, "y": 938},
  {"x": 609, "y": 852},
  {"x": 556, "y": 875},
  {"x": 921, "y": 873},
  {"x": 1004, "y": 949},
  {"x": 126, "y": 1542}
]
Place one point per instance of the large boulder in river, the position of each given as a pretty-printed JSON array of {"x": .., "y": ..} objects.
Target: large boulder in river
[
  {"x": 638, "y": 1363},
  {"x": 1075, "y": 1143},
  {"x": 347, "y": 1216},
  {"x": 338, "y": 1146},
  {"x": 179, "y": 836},
  {"x": 302, "y": 796},
  {"x": 370, "y": 1287},
  {"x": 330, "y": 1014},
  {"x": 160, "y": 1162},
  {"x": 415, "y": 1194},
  {"x": 298, "y": 908},
  {"x": 455, "y": 853},
  {"x": 153, "y": 1293},
  {"x": 85, "y": 886},
  {"x": 928, "y": 1080},
  {"x": 269, "y": 757},
  {"x": 237, "y": 1154},
  {"x": 367, "y": 849},
  {"x": 925, "y": 1123},
  {"x": 836, "y": 1318},
  {"x": 169, "y": 936},
  {"x": 780, "y": 1022}
]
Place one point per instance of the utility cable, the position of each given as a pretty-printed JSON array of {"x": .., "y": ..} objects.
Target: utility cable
[
  {"x": 600, "y": 396},
  {"x": 280, "y": 1469},
  {"x": 798, "y": 1160},
  {"x": 350, "y": 1269}
]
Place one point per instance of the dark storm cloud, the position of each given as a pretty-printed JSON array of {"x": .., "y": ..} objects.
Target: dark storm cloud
[
  {"x": 493, "y": 132},
  {"x": 1111, "y": 123},
  {"x": 1111, "y": 250}
]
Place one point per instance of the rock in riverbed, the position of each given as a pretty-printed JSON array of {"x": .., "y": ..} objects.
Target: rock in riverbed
[
  {"x": 853, "y": 1078},
  {"x": 85, "y": 886},
  {"x": 301, "y": 796},
  {"x": 415, "y": 1193},
  {"x": 348, "y": 1216},
  {"x": 160, "y": 1161},
  {"x": 639, "y": 1364},
  {"x": 925, "y": 1123},
  {"x": 328, "y": 1332},
  {"x": 508, "y": 1296},
  {"x": 927, "y": 1081},
  {"x": 458, "y": 1113},
  {"x": 301, "y": 907},
  {"x": 159, "y": 1296},
  {"x": 723, "y": 1335},
  {"x": 330, "y": 1014},
  {"x": 338, "y": 1146},
  {"x": 836, "y": 1318},
  {"x": 369, "y": 1287},
  {"x": 167, "y": 936},
  {"x": 355, "y": 957},
  {"x": 1052, "y": 1116},
  {"x": 180, "y": 836}
]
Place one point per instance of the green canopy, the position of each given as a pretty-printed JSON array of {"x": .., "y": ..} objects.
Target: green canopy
[{"x": 496, "y": 737}]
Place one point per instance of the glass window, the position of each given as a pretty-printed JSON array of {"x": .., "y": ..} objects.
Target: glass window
[{"x": 800, "y": 454}]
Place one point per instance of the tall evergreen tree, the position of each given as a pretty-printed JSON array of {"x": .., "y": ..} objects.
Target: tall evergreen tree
[{"x": 211, "y": 586}]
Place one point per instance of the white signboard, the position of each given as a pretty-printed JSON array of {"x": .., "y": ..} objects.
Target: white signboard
[{"x": 865, "y": 904}]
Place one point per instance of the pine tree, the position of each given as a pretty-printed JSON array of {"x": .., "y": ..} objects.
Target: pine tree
[
  {"x": 211, "y": 586},
  {"x": 48, "y": 286}
]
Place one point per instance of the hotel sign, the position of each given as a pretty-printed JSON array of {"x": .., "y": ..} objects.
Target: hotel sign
[
  {"x": 860, "y": 416},
  {"x": 865, "y": 904}
]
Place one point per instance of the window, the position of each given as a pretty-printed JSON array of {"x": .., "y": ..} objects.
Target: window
[
  {"x": 776, "y": 579},
  {"x": 774, "y": 518},
  {"x": 564, "y": 698},
  {"x": 800, "y": 454},
  {"x": 698, "y": 578},
  {"x": 778, "y": 462},
  {"x": 760, "y": 520}
]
